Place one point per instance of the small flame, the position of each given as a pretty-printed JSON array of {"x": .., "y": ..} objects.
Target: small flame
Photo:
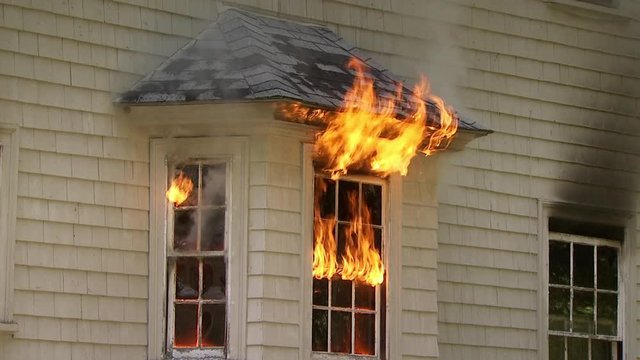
[
  {"x": 361, "y": 260},
  {"x": 181, "y": 187}
]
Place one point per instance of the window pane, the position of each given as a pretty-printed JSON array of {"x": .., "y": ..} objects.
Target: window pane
[
  {"x": 583, "y": 303},
  {"x": 186, "y": 323},
  {"x": 372, "y": 195},
  {"x": 607, "y": 268},
  {"x": 319, "y": 333},
  {"x": 341, "y": 332},
  {"x": 214, "y": 184},
  {"x": 583, "y": 265},
  {"x": 214, "y": 278},
  {"x": 325, "y": 192},
  {"x": 213, "y": 230},
  {"x": 559, "y": 263},
  {"x": 365, "y": 342},
  {"x": 577, "y": 348},
  {"x": 190, "y": 171},
  {"x": 213, "y": 325},
  {"x": 345, "y": 189},
  {"x": 187, "y": 278},
  {"x": 556, "y": 347},
  {"x": 559, "y": 309},
  {"x": 601, "y": 350},
  {"x": 607, "y": 314},
  {"x": 184, "y": 230},
  {"x": 341, "y": 293},
  {"x": 320, "y": 292},
  {"x": 365, "y": 296}
]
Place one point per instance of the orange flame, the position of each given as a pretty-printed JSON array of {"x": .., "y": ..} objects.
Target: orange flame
[
  {"x": 361, "y": 261},
  {"x": 181, "y": 187},
  {"x": 366, "y": 132}
]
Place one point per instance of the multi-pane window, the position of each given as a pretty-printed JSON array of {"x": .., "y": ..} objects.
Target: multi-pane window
[
  {"x": 584, "y": 298},
  {"x": 348, "y": 315},
  {"x": 196, "y": 262}
]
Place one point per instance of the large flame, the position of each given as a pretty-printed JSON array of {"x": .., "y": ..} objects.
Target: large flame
[
  {"x": 367, "y": 134},
  {"x": 361, "y": 260},
  {"x": 181, "y": 187}
]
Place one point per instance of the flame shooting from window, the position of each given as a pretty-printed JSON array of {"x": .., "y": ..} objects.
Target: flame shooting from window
[{"x": 181, "y": 187}]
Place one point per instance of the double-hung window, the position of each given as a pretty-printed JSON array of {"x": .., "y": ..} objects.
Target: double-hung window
[
  {"x": 198, "y": 248},
  {"x": 348, "y": 311},
  {"x": 584, "y": 298}
]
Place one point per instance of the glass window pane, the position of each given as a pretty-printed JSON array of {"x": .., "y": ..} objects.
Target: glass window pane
[
  {"x": 214, "y": 325},
  {"x": 583, "y": 265},
  {"x": 214, "y": 184},
  {"x": 341, "y": 332},
  {"x": 607, "y": 314},
  {"x": 365, "y": 342},
  {"x": 320, "y": 292},
  {"x": 187, "y": 278},
  {"x": 559, "y": 309},
  {"x": 365, "y": 296},
  {"x": 372, "y": 195},
  {"x": 186, "y": 324},
  {"x": 583, "y": 304},
  {"x": 607, "y": 268},
  {"x": 601, "y": 350},
  {"x": 559, "y": 263},
  {"x": 577, "y": 348},
  {"x": 184, "y": 230},
  {"x": 213, "y": 230},
  {"x": 345, "y": 190},
  {"x": 319, "y": 333},
  {"x": 214, "y": 278},
  {"x": 556, "y": 347},
  {"x": 341, "y": 293},
  {"x": 190, "y": 171},
  {"x": 325, "y": 192}
]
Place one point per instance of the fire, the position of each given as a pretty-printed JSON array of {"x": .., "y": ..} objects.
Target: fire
[
  {"x": 361, "y": 260},
  {"x": 366, "y": 132},
  {"x": 181, "y": 187}
]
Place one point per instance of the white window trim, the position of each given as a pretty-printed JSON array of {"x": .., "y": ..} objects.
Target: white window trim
[
  {"x": 8, "y": 196},
  {"x": 234, "y": 150},
  {"x": 627, "y": 270},
  {"x": 391, "y": 257}
]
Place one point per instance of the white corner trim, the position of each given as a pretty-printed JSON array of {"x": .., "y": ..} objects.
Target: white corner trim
[
  {"x": 8, "y": 327},
  {"x": 8, "y": 197}
]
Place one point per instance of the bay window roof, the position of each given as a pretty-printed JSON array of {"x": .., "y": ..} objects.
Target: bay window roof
[{"x": 243, "y": 56}]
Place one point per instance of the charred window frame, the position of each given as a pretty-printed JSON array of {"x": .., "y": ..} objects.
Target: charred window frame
[
  {"x": 196, "y": 262},
  {"x": 584, "y": 291},
  {"x": 349, "y": 317}
]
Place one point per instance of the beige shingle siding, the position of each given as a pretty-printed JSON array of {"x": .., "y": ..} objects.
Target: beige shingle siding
[{"x": 561, "y": 92}]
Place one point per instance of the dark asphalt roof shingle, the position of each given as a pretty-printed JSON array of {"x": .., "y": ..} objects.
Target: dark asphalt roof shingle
[{"x": 245, "y": 56}]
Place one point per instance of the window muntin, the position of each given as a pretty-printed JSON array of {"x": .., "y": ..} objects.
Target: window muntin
[
  {"x": 584, "y": 298},
  {"x": 197, "y": 262},
  {"x": 348, "y": 316}
]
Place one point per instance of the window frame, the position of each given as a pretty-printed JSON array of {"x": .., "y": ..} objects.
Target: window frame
[
  {"x": 362, "y": 180},
  {"x": 391, "y": 257},
  {"x": 626, "y": 266},
  {"x": 9, "y": 147},
  {"x": 164, "y": 153}
]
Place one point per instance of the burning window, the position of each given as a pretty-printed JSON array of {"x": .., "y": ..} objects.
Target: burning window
[
  {"x": 584, "y": 298},
  {"x": 197, "y": 258},
  {"x": 349, "y": 277}
]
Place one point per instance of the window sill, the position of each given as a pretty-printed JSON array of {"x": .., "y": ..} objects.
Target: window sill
[
  {"x": 593, "y": 11},
  {"x": 8, "y": 328},
  {"x": 332, "y": 356}
]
